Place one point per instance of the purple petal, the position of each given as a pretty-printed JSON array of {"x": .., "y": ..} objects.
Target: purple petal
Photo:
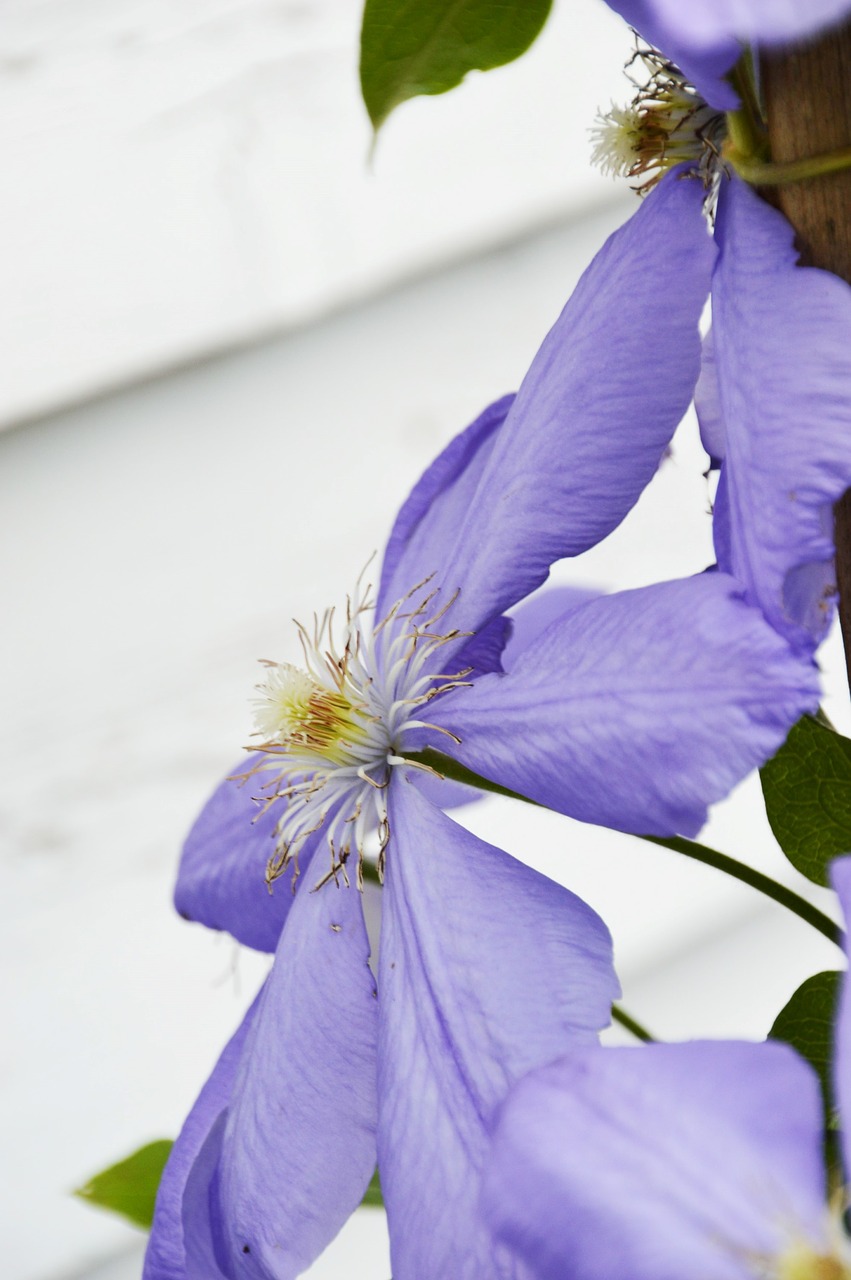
[
  {"x": 707, "y": 402},
  {"x": 428, "y": 522},
  {"x": 486, "y": 969},
  {"x": 443, "y": 792},
  {"x": 660, "y": 1162},
  {"x": 202, "y": 1215},
  {"x": 704, "y": 50},
  {"x": 784, "y": 383},
  {"x": 165, "y": 1258},
  {"x": 594, "y": 415},
  {"x": 639, "y": 709},
  {"x": 704, "y": 37},
  {"x": 533, "y": 615},
  {"x": 299, "y": 1146},
  {"x": 221, "y": 879},
  {"x": 840, "y": 875},
  {"x": 483, "y": 651}
]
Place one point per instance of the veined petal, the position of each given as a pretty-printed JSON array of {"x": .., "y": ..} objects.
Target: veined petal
[
  {"x": 427, "y": 525},
  {"x": 596, "y": 410},
  {"x": 443, "y": 792},
  {"x": 840, "y": 875},
  {"x": 486, "y": 968},
  {"x": 713, "y": 433},
  {"x": 639, "y": 709},
  {"x": 534, "y": 614},
  {"x": 784, "y": 384},
  {"x": 703, "y": 49},
  {"x": 659, "y": 1162},
  {"x": 704, "y": 24},
  {"x": 221, "y": 877},
  {"x": 705, "y": 37},
  {"x": 299, "y": 1145},
  {"x": 483, "y": 652},
  {"x": 165, "y": 1258}
]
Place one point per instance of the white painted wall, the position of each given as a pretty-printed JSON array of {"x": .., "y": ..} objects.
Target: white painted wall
[{"x": 182, "y": 175}]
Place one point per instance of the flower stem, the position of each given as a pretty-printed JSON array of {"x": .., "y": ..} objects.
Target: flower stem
[
  {"x": 449, "y": 768},
  {"x": 745, "y": 125},
  {"x": 749, "y": 875},
  {"x": 626, "y": 1020},
  {"x": 769, "y": 173}
]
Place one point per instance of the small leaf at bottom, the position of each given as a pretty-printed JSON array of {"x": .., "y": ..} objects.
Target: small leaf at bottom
[{"x": 130, "y": 1187}]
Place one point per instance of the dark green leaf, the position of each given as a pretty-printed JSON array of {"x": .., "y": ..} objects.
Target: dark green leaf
[
  {"x": 372, "y": 1197},
  {"x": 807, "y": 789},
  {"x": 806, "y": 1023},
  {"x": 412, "y": 47},
  {"x": 130, "y": 1187}
]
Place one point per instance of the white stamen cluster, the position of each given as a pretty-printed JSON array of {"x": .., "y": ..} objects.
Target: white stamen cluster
[
  {"x": 666, "y": 123},
  {"x": 334, "y": 731}
]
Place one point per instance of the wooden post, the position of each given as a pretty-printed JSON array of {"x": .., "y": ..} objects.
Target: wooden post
[{"x": 808, "y": 99}]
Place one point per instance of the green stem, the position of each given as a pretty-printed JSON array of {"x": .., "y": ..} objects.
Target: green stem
[
  {"x": 745, "y": 126},
  {"x": 446, "y": 767},
  {"x": 768, "y": 173},
  {"x": 777, "y": 892},
  {"x": 641, "y": 1033}
]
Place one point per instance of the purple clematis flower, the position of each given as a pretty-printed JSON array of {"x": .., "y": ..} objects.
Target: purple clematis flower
[
  {"x": 774, "y": 402},
  {"x": 697, "y": 1161},
  {"x": 705, "y": 37},
  {"x": 774, "y": 397},
  {"x": 635, "y": 710}
]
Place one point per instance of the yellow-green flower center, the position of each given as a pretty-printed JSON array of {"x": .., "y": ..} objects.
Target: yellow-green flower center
[
  {"x": 801, "y": 1262},
  {"x": 295, "y": 711}
]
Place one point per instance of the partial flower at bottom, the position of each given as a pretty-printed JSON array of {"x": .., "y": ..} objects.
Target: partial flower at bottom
[{"x": 696, "y": 1161}]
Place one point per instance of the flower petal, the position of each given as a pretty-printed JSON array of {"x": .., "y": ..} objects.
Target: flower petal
[
  {"x": 534, "y": 614},
  {"x": 784, "y": 385},
  {"x": 703, "y": 24},
  {"x": 165, "y": 1258},
  {"x": 596, "y": 410},
  {"x": 443, "y": 792},
  {"x": 704, "y": 49},
  {"x": 704, "y": 37},
  {"x": 299, "y": 1145},
  {"x": 486, "y": 968},
  {"x": 427, "y": 525},
  {"x": 659, "y": 1162},
  {"x": 221, "y": 878},
  {"x": 713, "y": 434},
  {"x": 483, "y": 652},
  {"x": 840, "y": 876},
  {"x": 639, "y": 709}
]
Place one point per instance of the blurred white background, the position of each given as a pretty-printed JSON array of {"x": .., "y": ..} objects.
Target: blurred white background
[{"x": 181, "y": 181}]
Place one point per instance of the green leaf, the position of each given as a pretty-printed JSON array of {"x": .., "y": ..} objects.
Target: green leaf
[
  {"x": 130, "y": 1187},
  {"x": 806, "y": 1023},
  {"x": 412, "y": 47},
  {"x": 807, "y": 789},
  {"x": 372, "y": 1197}
]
